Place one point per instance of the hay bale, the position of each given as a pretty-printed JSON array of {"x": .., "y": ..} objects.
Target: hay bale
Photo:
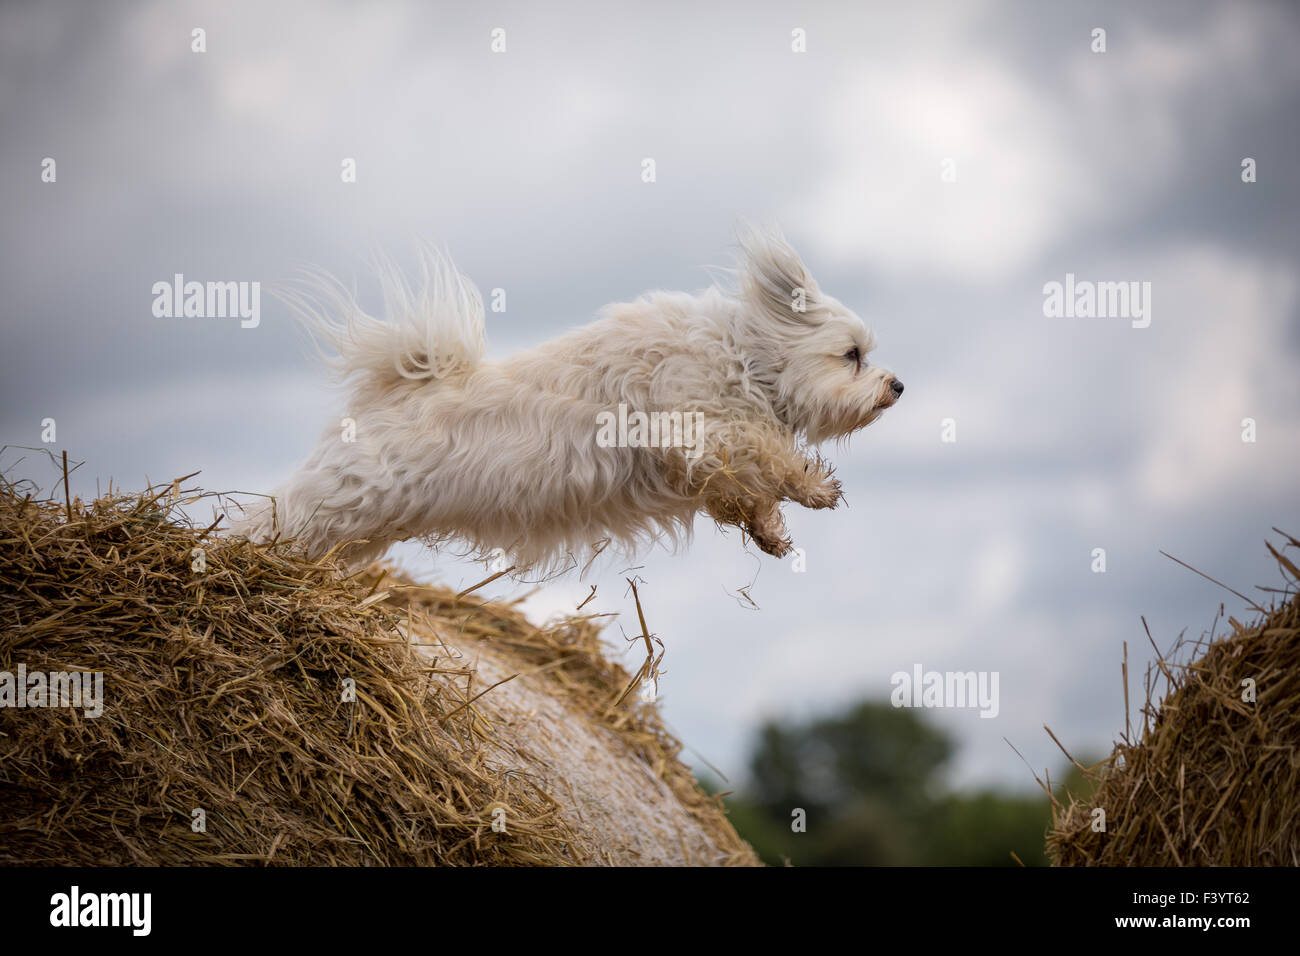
[
  {"x": 1214, "y": 779},
  {"x": 224, "y": 693}
]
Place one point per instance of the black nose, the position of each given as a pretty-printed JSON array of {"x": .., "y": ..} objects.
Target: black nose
[{"x": 897, "y": 387}]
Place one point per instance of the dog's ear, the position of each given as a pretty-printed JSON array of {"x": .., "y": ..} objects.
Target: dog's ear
[{"x": 774, "y": 280}]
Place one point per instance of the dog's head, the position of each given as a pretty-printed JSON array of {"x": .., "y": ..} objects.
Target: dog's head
[{"x": 808, "y": 350}]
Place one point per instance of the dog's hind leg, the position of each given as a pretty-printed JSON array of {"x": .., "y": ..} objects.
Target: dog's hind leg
[
  {"x": 767, "y": 528},
  {"x": 744, "y": 485},
  {"x": 759, "y": 518}
]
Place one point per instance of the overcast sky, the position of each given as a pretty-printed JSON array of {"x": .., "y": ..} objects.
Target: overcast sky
[{"x": 1072, "y": 433}]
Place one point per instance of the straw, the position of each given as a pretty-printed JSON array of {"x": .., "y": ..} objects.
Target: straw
[
  {"x": 1214, "y": 779},
  {"x": 260, "y": 708}
]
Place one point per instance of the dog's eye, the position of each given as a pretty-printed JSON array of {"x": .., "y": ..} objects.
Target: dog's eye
[{"x": 854, "y": 356}]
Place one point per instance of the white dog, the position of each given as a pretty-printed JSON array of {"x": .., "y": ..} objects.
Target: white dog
[{"x": 619, "y": 432}]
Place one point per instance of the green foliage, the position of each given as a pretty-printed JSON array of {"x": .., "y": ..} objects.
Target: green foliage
[{"x": 868, "y": 783}]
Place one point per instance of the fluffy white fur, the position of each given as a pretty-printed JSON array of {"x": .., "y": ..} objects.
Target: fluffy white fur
[{"x": 505, "y": 455}]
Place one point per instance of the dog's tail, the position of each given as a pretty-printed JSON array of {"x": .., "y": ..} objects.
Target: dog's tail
[{"x": 432, "y": 331}]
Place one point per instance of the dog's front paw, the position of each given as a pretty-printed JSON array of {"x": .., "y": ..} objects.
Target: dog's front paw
[
  {"x": 817, "y": 487},
  {"x": 828, "y": 494}
]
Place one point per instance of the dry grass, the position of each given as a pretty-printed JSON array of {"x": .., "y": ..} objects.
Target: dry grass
[
  {"x": 569, "y": 664},
  {"x": 1213, "y": 779},
  {"x": 225, "y": 692}
]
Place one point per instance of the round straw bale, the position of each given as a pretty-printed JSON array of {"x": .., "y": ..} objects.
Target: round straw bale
[
  {"x": 1214, "y": 777},
  {"x": 260, "y": 709}
]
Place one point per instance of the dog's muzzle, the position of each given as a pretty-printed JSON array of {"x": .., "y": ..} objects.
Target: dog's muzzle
[{"x": 892, "y": 391}]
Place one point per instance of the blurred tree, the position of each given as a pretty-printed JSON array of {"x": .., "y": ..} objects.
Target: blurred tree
[
  {"x": 873, "y": 749},
  {"x": 868, "y": 783}
]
